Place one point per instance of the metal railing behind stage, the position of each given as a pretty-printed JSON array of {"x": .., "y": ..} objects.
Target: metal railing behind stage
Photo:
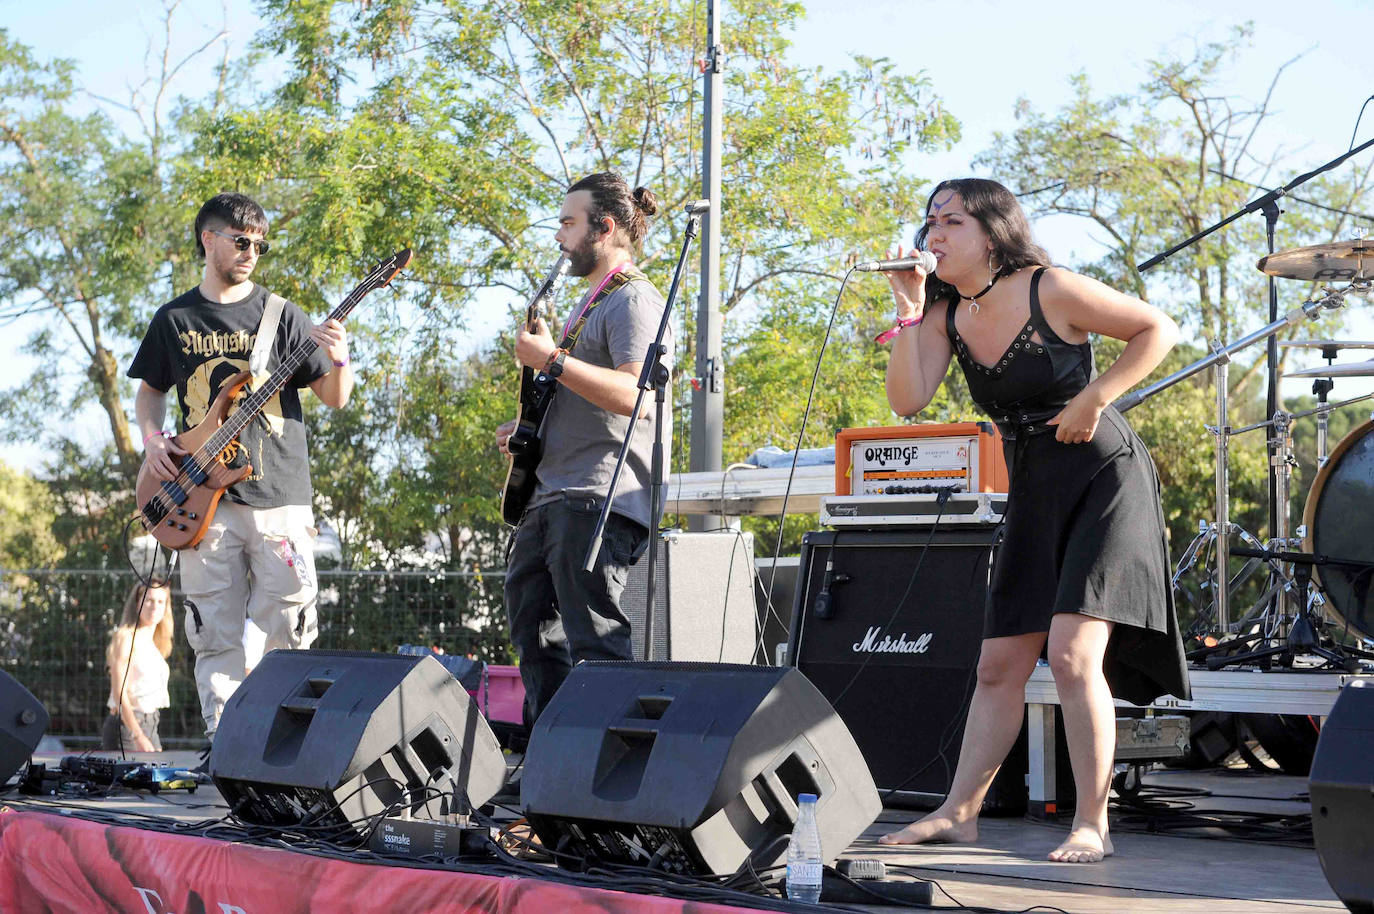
[{"x": 55, "y": 626}]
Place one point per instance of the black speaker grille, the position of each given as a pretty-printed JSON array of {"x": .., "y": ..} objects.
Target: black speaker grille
[{"x": 897, "y": 655}]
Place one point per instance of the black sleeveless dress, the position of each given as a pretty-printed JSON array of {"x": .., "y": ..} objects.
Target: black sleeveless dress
[{"x": 1084, "y": 531}]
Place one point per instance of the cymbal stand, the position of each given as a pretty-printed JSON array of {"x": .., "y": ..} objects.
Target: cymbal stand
[
  {"x": 1305, "y": 631},
  {"x": 1321, "y": 387},
  {"x": 1330, "y": 298},
  {"x": 1199, "y": 552}
]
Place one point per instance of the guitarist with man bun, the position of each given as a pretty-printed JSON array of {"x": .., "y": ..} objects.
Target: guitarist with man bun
[
  {"x": 256, "y": 556},
  {"x": 558, "y": 613}
]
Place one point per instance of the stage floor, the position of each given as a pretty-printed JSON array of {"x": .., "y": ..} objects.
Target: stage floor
[{"x": 1006, "y": 869}]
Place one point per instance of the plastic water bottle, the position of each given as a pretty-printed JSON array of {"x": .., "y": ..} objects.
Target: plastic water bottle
[{"x": 804, "y": 853}]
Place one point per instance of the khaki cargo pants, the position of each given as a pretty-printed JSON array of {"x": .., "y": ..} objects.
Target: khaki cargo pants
[{"x": 257, "y": 562}]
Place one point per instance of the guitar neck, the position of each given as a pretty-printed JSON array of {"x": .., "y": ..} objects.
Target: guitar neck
[{"x": 260, "y": 397}]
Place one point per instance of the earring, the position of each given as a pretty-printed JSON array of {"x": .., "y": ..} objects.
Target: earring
[{"x": 991, "y": 272}]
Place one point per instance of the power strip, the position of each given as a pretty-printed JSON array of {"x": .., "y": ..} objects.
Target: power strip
[{"x": 429, "y": 837}]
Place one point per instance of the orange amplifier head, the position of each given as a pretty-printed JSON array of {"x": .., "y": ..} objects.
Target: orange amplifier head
[{"x": 897, "y": 458}]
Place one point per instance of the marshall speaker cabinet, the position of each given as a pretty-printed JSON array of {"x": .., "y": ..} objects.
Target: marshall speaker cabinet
[{"x": 888, "y": 628}]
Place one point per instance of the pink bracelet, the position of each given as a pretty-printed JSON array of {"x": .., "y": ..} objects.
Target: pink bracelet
[
  {"x": 902, "y": 323},
  {"x": 152, "y": 435}
]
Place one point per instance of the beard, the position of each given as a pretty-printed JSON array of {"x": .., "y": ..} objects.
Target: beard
[
  {"x": 583, "y": 259},
  {"x": 232, "y": 272}
]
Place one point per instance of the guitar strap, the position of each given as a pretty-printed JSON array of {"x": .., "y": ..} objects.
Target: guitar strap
[
  {"x": 267, "y": 332},
  {"x": 616, "y": 282}
]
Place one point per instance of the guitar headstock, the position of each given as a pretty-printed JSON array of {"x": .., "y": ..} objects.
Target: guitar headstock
[
  {"x": 385, "y": 271},
  {"x": 546, "y": 290}
]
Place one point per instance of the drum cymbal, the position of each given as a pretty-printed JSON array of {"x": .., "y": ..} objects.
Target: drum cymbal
[
  {"x": 1328, "y": 344},
  {"x": 1348, "y": 370},
  {"x": 1340, "y": 261}
]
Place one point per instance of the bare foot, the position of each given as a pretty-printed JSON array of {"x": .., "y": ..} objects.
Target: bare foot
[
  {"x": 1084, "y": 845},
  {"x": 935, "y": 828}
]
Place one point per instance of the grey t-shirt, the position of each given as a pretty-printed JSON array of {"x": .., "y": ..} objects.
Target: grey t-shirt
[{"x": 582, "y": 441}]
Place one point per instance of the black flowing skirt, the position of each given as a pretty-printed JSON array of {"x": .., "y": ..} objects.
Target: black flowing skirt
[{"x": 1085, "y": 534}]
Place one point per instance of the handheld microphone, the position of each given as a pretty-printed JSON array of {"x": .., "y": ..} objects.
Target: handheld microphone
[
  {"x": 923, "y": 259},
  {"x": 697, "y": 207}
]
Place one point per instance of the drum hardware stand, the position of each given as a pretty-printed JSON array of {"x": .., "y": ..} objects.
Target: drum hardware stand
[
  {"x": 1321, "y": 387},
  {"x": 1267, "y": 204},
  {"x": 1330, "y": 298},
  {"x": 1305, "y": 631},
  {"x": 1207, "y": 536}
]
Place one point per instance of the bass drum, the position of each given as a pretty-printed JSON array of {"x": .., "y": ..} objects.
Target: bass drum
[{"x": 1340, "y": 524}]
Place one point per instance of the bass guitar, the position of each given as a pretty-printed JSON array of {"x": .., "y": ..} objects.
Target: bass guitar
[
  {"x": 536, "y": 395},
  {"x": 177, "y": 512}
]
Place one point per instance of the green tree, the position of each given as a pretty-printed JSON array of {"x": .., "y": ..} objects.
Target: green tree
[
  {"x": 469, "y": 122},
  {"x": 94, "y": 219},
  {"x": 26, "y": 534},
  {"x": 1147, "y": 170}
]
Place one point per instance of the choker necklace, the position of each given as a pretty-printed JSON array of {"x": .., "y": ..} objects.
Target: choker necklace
[
  {"x": 973, "y": 299},
  {"x": 993, "y": 276}
]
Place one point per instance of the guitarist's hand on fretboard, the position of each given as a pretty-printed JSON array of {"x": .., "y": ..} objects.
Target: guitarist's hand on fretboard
[
  {"x": 533, "y": 347},
  {"x": 163, "y": 457}
]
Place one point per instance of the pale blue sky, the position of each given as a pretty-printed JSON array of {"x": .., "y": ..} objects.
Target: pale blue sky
[{"x": 981, "y": 55}]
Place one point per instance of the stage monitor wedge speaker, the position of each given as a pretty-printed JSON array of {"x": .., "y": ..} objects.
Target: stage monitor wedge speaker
[
  {"x": 691, "y": 768},
  {"x": 888, "y": 624},
  {"x": 21, "y": 727},
  {"x": 703, "y": 598},
  {"x": 1341, "y": 786},
  {"x": 335, "y": 738}
]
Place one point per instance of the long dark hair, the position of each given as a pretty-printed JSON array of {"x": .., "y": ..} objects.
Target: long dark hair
[
  {"x": 611, "y": 196},
  {"x": 1002, "y": 218}
]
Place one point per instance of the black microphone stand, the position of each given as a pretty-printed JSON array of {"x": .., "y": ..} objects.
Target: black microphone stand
[{"x": 653, "y": 375}]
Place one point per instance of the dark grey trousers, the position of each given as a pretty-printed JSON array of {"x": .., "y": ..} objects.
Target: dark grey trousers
[{"x": 560, "y": 614}]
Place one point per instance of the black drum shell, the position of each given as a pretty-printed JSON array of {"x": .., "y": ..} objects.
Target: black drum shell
[{"x": 1339, "y": 517}]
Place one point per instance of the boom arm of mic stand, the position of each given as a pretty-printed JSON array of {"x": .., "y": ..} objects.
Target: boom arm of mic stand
[
  {"x": 1269, "y": 199},
  {"x": 648, "y": 376}
]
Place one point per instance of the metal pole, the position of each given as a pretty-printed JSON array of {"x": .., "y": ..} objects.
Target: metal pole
[
  {"x": 1223, "y": 485},
  {"x": 708, "y": 402}
]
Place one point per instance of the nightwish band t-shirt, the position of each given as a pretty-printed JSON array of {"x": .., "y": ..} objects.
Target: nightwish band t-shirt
[{"x": 195, "y": 345}]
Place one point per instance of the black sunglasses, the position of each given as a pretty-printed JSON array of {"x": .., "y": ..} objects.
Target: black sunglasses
[{"x": 243, "y": 242}]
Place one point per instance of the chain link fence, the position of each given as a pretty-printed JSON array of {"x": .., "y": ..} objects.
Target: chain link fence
[{"x": 55, "y": 627}]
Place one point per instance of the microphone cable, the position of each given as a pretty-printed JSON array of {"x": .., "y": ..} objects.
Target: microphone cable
[{"x": 801, "y": 435}]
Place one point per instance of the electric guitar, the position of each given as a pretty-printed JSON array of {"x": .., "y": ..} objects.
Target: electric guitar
[
  {"x": 178, "y": 512},
  {"x": 536, "y": 395}
]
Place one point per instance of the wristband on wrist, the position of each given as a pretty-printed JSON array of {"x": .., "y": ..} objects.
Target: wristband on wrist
[
  {"x": 339, "y": 364},
  {"x": 152, "y": 435},
  {"x": 554, "y": 366},
  {"x": 902, "y": 323}
]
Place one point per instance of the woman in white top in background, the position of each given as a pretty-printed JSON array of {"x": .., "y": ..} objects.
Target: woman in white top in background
[{"x": 139, "y": 647}]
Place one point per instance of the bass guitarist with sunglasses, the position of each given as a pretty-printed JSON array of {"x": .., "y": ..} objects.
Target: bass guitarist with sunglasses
[
  {"x": 560, "y": 614},
  {"x": 256, "y": 556}
]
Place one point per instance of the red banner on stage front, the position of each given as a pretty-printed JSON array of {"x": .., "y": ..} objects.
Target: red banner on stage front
[{"x": 54, "y": 863}]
